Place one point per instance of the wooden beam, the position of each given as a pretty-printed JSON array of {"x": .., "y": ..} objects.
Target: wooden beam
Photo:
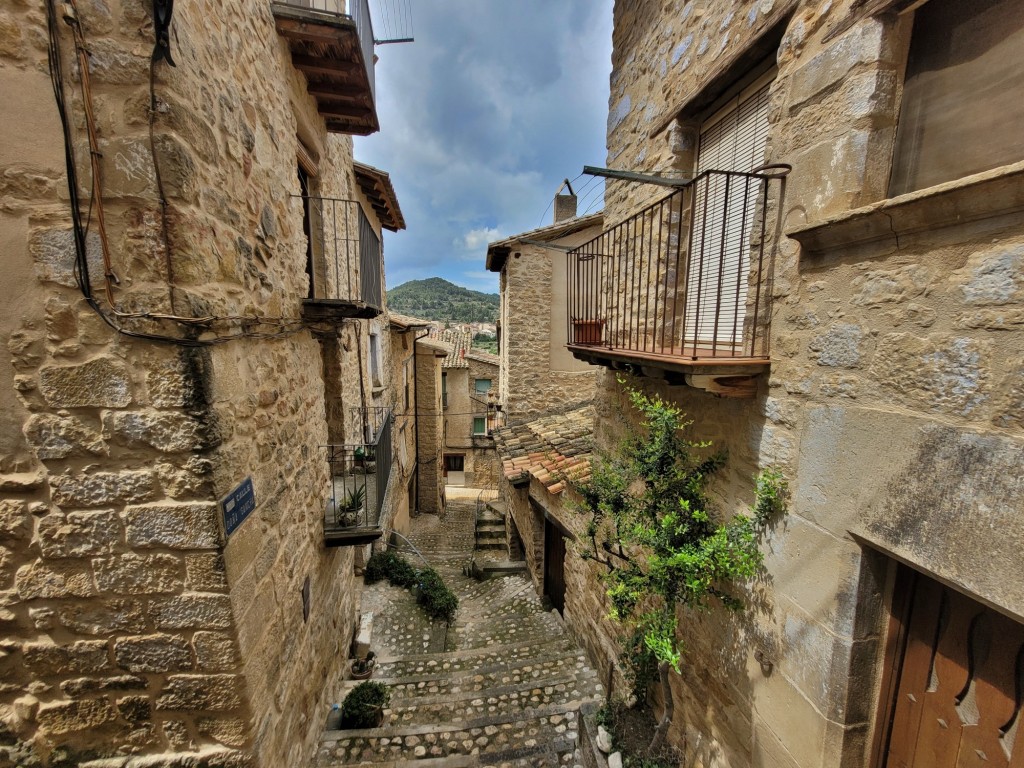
[
  {"x": 724, "y": 386},
  {"x": 324, "y": 66},
  {"x": 339, "y": 91},
  {"x": 300, "y": 30}
]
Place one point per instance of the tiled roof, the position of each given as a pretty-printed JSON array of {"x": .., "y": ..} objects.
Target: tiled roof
[
  {"x": 483, "y": 357},
  {"x": 550, "y": 448},
  {"x": 406, "y": 321},
  {"x": 459, "y": 341},
  {"x": 547, "y": 233}
]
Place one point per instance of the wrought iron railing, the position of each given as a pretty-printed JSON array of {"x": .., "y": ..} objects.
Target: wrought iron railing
[
  {"x": 360, "y": 474},
  {"x": 344, "y": 256},
  {"x": 684, "y": 278},
  {"x": 359, "y": 12}
]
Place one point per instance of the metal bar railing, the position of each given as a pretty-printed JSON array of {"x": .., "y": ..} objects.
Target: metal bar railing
[
  {"x": 343, "y": 254},
  {"x": 360, "y": 473},
  {"x": 685, "y": 277}
]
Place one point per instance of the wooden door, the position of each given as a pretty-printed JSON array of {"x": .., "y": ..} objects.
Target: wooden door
[
  {"x": 554, "y": 566},
  {"x": 958, "y": 678}
]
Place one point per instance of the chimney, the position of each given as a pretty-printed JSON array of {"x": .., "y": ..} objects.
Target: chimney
[{"x": 565, "y": 205}]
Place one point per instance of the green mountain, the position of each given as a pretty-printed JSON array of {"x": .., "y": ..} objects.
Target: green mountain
[{"x": 437, "y": 299}]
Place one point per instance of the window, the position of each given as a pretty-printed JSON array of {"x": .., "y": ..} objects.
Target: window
[
  {"x": 963, "y": 94},
  {"x": 479, "y": 425},
  {"x": 375, "y": 360},
  {"x": 405, "y": 382},
  {"x": 444, "y": 389},
  {"x": 483, "y": 386},
  {"x": 733, "y": 139}
]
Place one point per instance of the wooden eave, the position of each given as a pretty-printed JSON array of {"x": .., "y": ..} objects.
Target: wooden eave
[
  {"x": 336, "y": 310},
  {"x": 326, "y": 48},
  {"x": 376, "y": 186},
  {"x": 723, "y": 376}
]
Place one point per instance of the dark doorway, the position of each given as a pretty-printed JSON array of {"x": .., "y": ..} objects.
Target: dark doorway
[{"x": 554, "y": 566}]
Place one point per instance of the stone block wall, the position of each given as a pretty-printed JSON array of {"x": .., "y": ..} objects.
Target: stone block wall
[
  {"x": 530, "y": 384},
  {"x": 895, "y": 362},
  {"x": 431, "y": 427},
  {"x": 132, "y": 623}
]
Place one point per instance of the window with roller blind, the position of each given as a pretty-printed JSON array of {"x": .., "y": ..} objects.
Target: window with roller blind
[
  {"x": 963, "y": 95},
  {"x": 733, "y": 139}
]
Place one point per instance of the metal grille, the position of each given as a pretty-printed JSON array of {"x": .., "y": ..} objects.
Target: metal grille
[
  {"x": 685, "y": 277},
  {"x": 360, "y": 474},
  {"x": 344, "y": 252}
]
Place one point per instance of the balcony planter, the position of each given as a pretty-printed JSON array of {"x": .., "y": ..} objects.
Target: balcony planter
[
  {"x": 587, "y": 331},
  {"x": 347, "y": 510}
]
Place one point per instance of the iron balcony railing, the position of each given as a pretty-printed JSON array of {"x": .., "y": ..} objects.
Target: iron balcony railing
[
  {"x": 683, "y": 279},
  {"x": 356, "y": 10},
  {"x": 359, "y": 474},
  {"x": 343, "y": 256}
]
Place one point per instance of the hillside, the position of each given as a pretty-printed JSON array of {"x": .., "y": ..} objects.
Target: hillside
[{"x": 437, "y": 299}]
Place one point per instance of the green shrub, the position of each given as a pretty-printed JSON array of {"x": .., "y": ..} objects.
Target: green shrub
[
  {"x": 433, "y": 595},
  {"x": 388, "y": 565},
  {"x": 363, "y": 706}
]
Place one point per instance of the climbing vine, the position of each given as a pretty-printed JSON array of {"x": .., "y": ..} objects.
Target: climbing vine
[{"x": 650, "y": 525}]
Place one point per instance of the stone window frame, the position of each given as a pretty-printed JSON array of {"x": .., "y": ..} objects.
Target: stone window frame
[{"x": 988, "y": 201}]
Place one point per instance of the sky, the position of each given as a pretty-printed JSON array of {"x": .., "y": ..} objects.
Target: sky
[{"x": 482, "y": 117}]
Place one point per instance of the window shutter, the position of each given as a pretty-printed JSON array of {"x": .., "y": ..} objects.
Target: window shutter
[{"x": 734, "y": 139}]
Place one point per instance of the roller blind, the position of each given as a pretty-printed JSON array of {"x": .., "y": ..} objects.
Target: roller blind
[{"x": 733, "y": 139}]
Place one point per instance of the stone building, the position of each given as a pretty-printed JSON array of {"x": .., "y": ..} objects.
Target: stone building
[
  {"x": 538, "y": 374},
  {"x": 850, "y": 315},
  {"x": 469, "y": 396},
  {"x": 194, "y": 286},
  {"x": 429, "y": 356}
]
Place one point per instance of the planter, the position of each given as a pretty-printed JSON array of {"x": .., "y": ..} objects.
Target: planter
[
  {"x": 362, "y": 669},
  {"x": 587, "y": 331}
]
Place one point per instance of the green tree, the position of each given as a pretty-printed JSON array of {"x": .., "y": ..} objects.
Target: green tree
[{"x": 650, "y": 525}]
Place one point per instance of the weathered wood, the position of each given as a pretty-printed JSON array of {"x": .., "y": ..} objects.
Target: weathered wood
[{"x": 326, "y": 66}]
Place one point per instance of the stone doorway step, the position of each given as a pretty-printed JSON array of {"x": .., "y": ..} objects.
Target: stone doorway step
[{"x": 507, "y": 691}]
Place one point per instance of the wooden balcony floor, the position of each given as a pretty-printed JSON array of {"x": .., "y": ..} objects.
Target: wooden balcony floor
[{"x": 721, "y": 371}]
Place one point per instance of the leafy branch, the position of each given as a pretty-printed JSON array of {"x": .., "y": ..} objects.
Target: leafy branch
[{"x": 650, "y": 525}]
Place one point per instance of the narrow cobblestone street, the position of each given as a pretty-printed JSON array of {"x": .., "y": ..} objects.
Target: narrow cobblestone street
[{"x": 503, "y": 686}]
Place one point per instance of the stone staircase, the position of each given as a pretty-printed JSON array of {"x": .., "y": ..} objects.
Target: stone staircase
[
  {"x": 491, "y": 556},
  {"x": 503, "y": 686}
]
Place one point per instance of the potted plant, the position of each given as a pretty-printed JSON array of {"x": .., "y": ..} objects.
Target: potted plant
[
  {"x": 347, "y": 510},
  {"x": 365, "y": 459},
  {"x": 362, "y": 669},
  {"x": 587, "y": 331},
  {"x": 364, "y": 706}
]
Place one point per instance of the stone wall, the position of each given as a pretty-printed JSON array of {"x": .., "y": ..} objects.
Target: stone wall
[
  {"x": 535, "y": 377},
  {"x": 896, "y": 359},
  {"x": 431, "y": 427},
  {"x": 133, "y": 625}
]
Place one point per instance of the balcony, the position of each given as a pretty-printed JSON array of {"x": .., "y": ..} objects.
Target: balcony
[
  {"x": 359, "y": 483},
  {"x": 681, "y": 290},
  {"x": 343, "y": 261},
  {"x": 334, "y": 49}
]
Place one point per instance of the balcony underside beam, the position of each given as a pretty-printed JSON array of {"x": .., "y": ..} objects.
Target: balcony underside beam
[{"x": 723, "y": 376}]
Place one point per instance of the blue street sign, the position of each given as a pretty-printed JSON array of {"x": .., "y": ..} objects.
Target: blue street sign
[{"x": 237, "y": 505}]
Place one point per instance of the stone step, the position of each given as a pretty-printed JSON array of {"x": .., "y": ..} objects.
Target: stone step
[
  {"x": 537, "y": 670},
  {"x": 465, "y": 661},
  {"x": 493, "y": 739},
  {"x": 503, "y": 701}
]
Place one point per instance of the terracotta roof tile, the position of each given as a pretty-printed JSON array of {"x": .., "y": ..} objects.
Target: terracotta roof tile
[{"x": 551, "y": 448}]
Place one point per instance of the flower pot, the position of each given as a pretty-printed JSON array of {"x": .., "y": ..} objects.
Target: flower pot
[
  {"x": 365, "y": 673},
  {"x": 587, "y": 331}
]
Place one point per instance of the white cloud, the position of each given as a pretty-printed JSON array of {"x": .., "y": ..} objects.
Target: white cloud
[
  {"x": 476, "y": 136},
  {"x": 477, "y": 239}
]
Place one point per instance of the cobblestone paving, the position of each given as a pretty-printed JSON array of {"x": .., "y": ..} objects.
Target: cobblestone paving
[{"x": 502, "y": 687}]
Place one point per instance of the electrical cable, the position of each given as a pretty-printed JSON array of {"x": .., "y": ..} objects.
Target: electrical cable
[{"x": 194, "y": 325}]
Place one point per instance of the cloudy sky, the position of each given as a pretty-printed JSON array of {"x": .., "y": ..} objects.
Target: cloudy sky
[{"x": 482, "y": 117}]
